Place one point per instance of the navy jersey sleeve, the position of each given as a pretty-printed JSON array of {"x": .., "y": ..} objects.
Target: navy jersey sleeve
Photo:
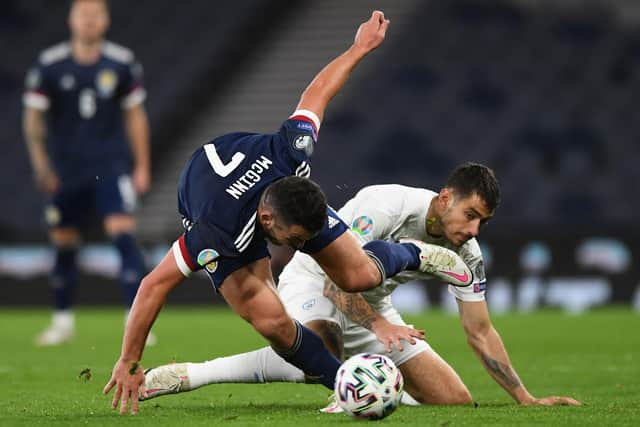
[
  {"x": 297, "y": 138},
  {"x": 131, "y": 89},
  {"x": 37, "y": 90},
  {"x": 333, "y": 228}
]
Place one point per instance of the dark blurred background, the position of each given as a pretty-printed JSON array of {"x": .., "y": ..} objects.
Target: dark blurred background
[{"x": 543, "y": 91}]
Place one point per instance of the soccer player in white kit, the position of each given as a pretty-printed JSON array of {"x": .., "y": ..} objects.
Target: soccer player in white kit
[{"x": 367, "y": 322}]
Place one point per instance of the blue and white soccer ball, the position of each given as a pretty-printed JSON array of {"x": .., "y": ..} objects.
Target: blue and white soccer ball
[{"x": 368, "y": 386}]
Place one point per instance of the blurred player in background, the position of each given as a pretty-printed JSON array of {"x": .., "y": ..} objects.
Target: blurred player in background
[
  {"x": 242, "y": 188},
  {"x": 365, "y": 322},
  {"x": 83, "y": 119}
]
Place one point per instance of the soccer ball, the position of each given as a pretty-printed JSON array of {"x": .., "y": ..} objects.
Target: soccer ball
[{"x": 368, "y": 386}]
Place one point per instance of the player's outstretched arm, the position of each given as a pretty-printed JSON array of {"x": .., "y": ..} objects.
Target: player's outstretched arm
[
  {"x": 35, "y": 130},
  {"x": 332, "y": 77},
  {"x": 358, "y": 309},
  {"x": 487, "y": 344},
  {"x": 137, "y": 125},
  {"x": 127, "y": 376}
]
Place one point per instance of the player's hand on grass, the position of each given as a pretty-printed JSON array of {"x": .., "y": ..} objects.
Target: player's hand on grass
[
  {"x": 128, "y": 379},
  {"x": 391, "y": 335},
  {"x": 553, "y": 401},
  {"x": 371, "y": 33}
]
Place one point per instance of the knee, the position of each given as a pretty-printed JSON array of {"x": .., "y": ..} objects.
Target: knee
[
  {"x": 278, "y": 329},
  {"x": 461, "y": 396}
]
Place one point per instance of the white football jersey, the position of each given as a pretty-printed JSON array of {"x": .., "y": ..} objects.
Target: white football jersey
[{"x": 393, "y": 212}]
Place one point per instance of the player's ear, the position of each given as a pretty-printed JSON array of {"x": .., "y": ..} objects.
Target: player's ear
[
  {"x": 265, "y": 215},
  {"x": 445, "y": 197}
]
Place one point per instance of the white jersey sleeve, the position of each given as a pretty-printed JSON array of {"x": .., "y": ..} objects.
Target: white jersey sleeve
[
  {"x": 472, "y": 256},
  {"x": 371, "y": 215}
]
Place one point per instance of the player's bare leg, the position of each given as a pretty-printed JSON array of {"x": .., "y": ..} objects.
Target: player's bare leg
[{"x": 431, "y": 380}]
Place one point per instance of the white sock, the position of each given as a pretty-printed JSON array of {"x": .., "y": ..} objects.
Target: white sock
[
  {"x": 63, "y": 319},
  {"x": 260, "y": 366}
]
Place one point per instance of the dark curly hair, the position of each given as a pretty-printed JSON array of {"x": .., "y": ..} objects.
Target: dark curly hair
[
  {"x": 473, "y": 178},
  {"x": 298, "y": 201}
]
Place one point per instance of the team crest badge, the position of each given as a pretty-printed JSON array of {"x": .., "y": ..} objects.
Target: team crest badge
[
  {"x": 106, "y": 82},
  {"x": 362, "y": 225}
]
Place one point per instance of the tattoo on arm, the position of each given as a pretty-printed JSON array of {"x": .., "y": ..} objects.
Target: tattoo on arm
[
  {"x": 351, "y": 304},
  {"x": 503, "y": 372}
]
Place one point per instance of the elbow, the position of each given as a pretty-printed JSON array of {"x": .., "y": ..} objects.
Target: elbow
[{"x": 360, "y": 281}]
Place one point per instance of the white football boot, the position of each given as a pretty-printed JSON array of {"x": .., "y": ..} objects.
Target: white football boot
[
  {"x": 60, "y": 331},
  {"x": 442, "y": 263},
  {"x": 165, "y": 379},
  {"x": 332, "y": 407}
]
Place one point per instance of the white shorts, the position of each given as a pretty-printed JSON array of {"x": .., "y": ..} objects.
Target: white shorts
[{"x": 301, "y": 293}]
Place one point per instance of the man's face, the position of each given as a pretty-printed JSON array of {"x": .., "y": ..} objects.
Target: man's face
[
  {"x": 279, "y": 234},
  {"x": 463, "y": 218},
  {"x": 88, "y": 20}
]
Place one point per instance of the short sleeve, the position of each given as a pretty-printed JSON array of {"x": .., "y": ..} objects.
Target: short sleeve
[
  {"x": 369, "y": 216},
  {"x": 333, "y": 228},
  {"x": 37, "y": 92},
  {"x": 471, "y": 254},
  {"x": 297, "y": 138},
  {"x": 132, "y": 89},
  {"x": 201, "y": 245}
]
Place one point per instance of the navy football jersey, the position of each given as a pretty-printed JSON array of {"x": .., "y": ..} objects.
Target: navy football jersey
[
  {"x": 220, "y": 189},
  {"x": 86, "y": 136}
]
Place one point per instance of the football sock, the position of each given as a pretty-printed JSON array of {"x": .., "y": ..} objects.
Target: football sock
[
  {"x": 309, "y": 354},
  {"x": 132, "y": 265},
  {"x": 259, "y": 366},
  {"x": 392, "y": 258},
  {"x": 64, "y": 277}
]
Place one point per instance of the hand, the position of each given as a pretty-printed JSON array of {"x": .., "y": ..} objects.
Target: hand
[
  {"x": 371, "y": 33},
  {"x": 128, "y": 378},
  {"x": 47, "y": 181},
  {"x": 390, "y": 334},
  {"x": 552, "y": 401},
  {"x": 141, "y": 180}
]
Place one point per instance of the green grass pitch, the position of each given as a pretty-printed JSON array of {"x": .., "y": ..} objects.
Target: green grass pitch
[{"x": 593, "y": 357}]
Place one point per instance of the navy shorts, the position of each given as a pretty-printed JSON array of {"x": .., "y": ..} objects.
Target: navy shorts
[{"x": 74, "y": 205}]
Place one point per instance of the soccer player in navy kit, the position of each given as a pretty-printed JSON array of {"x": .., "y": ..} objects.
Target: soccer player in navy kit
[
  {"x": 83, "y": 119},
  {"x": 242, "y": 188}
]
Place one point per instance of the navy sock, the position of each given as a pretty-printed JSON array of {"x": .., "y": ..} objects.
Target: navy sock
[
  {"x": 64, "y": 277},
  {"x": 309, "y": 354},
  {"x": 132, "y": 268},
  {"x": 392, "y": 258}
]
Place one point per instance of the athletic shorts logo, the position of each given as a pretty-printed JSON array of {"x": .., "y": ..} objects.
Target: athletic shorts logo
[
  {"x": 307, "y": 305},
  {"x": 362, "y": 225}
]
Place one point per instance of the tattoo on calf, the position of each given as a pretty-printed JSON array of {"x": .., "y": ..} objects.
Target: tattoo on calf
[{"x": 504, "y": 372}]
